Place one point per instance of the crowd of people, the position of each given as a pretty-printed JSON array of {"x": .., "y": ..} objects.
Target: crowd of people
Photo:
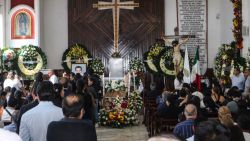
[
  {"x": 228, "y": 98},
  {"x": 66, "y": 108},
  {"x": 50, "y": 108}
]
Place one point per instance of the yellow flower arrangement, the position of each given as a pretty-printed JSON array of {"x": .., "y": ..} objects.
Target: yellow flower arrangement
[{"x": 76, "y": 52}]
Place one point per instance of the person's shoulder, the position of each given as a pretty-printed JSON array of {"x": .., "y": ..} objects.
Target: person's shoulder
[
  {"x": 55, "y": 123},
  {"x": 28, "y": 106},
  {"x": 186, "y": 122},
  {"x": 73, "y": 123},
  {"x": 29, "y": 113},
  {"x": 10, "y": 136}
]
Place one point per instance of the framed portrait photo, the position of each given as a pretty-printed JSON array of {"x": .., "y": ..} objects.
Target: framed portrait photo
[
  {"x": 78, "y": 68},
  {"x": 22, "y": 24}
]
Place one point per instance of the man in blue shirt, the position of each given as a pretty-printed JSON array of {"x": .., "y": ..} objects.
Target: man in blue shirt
[
  {"x": 185, "y": 129},
  {"x": 34, "y": 122}
]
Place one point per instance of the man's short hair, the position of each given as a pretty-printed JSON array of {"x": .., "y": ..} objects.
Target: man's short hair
[
  {"x": 211, "y": 131},
  {"x": 78, "y": 67},
  {"x": 45, "y": 91},
  {"x": 72, "y": 105},
  {"x": 190, "y": 110}
]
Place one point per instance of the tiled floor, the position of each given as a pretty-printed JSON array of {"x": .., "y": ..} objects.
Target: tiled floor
[{"x": 134, "y": 133}]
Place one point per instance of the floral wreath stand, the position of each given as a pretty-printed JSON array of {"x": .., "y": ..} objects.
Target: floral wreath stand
[
  {"x": 30, "y": 60},
  {"x": 75, "y": 54}
]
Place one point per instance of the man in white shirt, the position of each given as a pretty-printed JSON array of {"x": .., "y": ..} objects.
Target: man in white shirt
[
  {"x": 34, "y": 123},
  {"x": 238, "y": 79},
  {"x": 8, "y": 82},
  {"x": 52, "y": 77},
  {"x": 17, "y": 82}
]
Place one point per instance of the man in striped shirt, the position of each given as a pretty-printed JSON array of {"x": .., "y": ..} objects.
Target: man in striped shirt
[{"x": 185, "y": 129}]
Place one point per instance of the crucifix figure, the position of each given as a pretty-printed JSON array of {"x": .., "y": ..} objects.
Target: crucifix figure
[
  {"x": 116, "y": 5},
  {"x": 176, "y": 45}
]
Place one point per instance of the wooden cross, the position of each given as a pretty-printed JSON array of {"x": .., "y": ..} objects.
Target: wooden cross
[{"x": 116, "y": 5}]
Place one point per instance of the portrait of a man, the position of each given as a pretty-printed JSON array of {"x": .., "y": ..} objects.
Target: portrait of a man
[{"x": 78, "y": 68}]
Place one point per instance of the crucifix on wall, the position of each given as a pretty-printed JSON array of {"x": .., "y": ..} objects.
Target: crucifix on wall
[
  {"x": 116, "y": 5},
  {"x": 176, "y": 44}
]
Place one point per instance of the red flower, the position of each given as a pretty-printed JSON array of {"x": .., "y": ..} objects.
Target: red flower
[{"x": 124, "y": 104}]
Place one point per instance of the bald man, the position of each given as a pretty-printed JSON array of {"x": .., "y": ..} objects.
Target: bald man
[{"x": 185, "y": 129}]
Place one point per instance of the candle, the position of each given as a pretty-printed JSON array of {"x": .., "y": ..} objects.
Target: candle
[
  {"x": 103, "y": 84},
  {"x": 129, "y": 81},
  {"x": 134, "y": 79},
  {"x": 164, "y": 81},
  {"x": 109, "y": 76}
]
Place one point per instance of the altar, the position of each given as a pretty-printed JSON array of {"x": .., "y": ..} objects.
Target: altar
[
  {"x": 114, "y": 84},
  {"x": 113, "y": 87}
]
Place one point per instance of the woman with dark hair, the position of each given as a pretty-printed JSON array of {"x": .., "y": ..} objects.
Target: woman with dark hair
[
  {"x": 216, "y": 96},
  {"x": 210, "y": 77},
  {"x": 18, "y": 95},
  {"x": 89, "y": 107},
  {"x": 225, "y": 84},
  {"x": 92, "y": 91},
  {"x": 72, "y": 81},
  {"x": 59, "y": 94},
  {"x": 182, "y": 100},
  {"x": 80, "y": 86},
  {"x": 39, "y": 77}
]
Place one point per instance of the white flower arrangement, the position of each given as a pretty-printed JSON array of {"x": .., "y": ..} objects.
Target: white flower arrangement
[
  {"x": 29, "y": 53},
  {"x": 135, "y": 101},
  {"x": 136, "y": 65},
  {"x": 97, "y": 66},
  {"x": 9, "y": 55},
  {"x": 115, "y": 85}
]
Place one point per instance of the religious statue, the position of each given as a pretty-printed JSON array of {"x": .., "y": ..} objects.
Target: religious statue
[{"x": 177, "y": 54}]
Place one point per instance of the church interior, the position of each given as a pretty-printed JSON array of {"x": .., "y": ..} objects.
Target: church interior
[{"x": 124, "y": 70}]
